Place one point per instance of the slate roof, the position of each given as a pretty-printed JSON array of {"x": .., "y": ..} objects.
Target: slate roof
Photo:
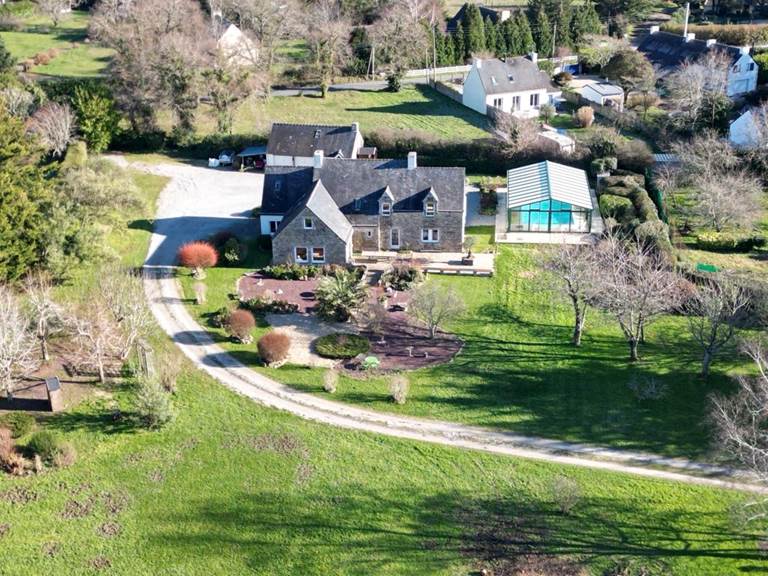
[
  {"x": 320, "y": 203},
  {"x": 513, "y": 75},
  {"x": 357, "y": 185},
  {"x": 303, "y": 139},
  {"x": 548, "y": 180},
  {"x": 666, "y": 50}
]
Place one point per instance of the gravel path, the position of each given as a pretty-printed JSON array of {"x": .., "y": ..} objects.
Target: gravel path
[{"x": 163, "y": 294}]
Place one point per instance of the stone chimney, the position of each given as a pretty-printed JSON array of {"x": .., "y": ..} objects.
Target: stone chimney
[
  {"x": 690, "y": 36},
  {"x": 711, "y": 42},
  {"x": 745, "y": 49},
  {"x": 412, "y": 163},
  {"x": 533, "y": 57},
  {"x": 479, "y": 63},
  {"x": 655, "y": 29},
  {"x": 317, "y": 159},
  {"x": 355, "y": 126}
]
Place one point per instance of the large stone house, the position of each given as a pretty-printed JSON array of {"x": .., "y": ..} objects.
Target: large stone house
[
  {"x": 296, "y": 144},
  {"x": 324, "y": 213},
  {"x": 668, "y": 51},
  {"x": 515, "y": 86}
]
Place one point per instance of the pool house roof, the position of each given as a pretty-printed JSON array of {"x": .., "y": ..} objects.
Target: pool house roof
[{"x": 548, "y": 181}]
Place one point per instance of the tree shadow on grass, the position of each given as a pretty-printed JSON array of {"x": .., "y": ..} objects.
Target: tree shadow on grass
[{"x": 369, "y": 531}]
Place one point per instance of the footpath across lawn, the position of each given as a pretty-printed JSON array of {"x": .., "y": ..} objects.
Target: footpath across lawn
[{"x": 518, "y": 371}]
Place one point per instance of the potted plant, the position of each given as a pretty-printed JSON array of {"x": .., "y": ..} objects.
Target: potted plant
[{"x": 468, "y": 260}]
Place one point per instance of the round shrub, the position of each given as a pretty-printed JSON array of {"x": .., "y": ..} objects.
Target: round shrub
[
  {"x": 370, "y": 363},
  {"x": 341, "y": 345},
  {"x": 617, "y": 207},
  {"x": 585, "y": 116},
  {"x": 240, "y": 324},
  {"x": 274, "y": 347},
  {"x": 19, "y": 423},
  {"x": 562, "y": 78},
  {"x": 197, "y": 256},
  {"x": 401, "y": 276},
  {"x": 45, "y": 444}
]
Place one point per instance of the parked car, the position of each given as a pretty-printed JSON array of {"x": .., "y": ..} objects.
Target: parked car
[{"x": 226, "y": 157}]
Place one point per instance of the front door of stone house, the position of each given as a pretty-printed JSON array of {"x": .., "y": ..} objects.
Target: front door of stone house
[{"x": 394, "y": 238}]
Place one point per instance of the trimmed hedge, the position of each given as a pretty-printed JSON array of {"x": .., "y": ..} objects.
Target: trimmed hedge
[
  {"x": 341, "y": 345},
  {"x": 734, "y": 34},
  {"x": 263, "y": 306},
  {"x": 619, "y": 208},
  {"x": 729, "y": 241}
]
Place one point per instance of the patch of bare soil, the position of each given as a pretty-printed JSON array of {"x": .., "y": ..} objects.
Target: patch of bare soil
[
  {"x": 18, "y": 495},
  {"x": 4, "y": 529},
  {"x": 284, "y": 444},
  {"x": 114, "y": 503},
  {"x": 101, "y": 563},
  {"x": 504, "y": 544},
  {"x": 109, "y": 529},
  {"x": 51, "y": 549},
  {"x": 77, "y": 508},
  {"x": 156, "y": 476},
  {"x": 304, "y": 473}
]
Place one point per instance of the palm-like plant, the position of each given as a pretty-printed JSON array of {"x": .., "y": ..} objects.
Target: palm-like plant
[{"x": 339, "y": 295}]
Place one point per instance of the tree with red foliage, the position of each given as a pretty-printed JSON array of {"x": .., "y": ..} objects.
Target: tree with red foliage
[
  {"x": 240, "y": 324},
  {"x": 197, "y": 256},
  {"x": 274, "y": 347}
]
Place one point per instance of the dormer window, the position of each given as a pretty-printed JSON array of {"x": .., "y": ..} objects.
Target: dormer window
[
  {"x": 430, "y": 207},
  {"x": 386, "y": 208},
  {"x": 308, "y": 223}
]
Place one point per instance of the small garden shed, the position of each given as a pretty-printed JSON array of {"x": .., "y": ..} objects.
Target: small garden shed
[{"x": 548, "y": 197}]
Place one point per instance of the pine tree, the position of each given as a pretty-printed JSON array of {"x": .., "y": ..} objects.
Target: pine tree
[
  {"x": 459, "y": 50},
  {"x": 585, "y": 21},
  {"x": 474, "y": 31},
  {"x": 525, "y": 33},
  {"x": 542, "y": 34},
  {"x": 491, "y": 33},
  {"x": 564, "y": 17}
]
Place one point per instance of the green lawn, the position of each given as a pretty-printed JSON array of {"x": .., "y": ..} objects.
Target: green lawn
[
  {"x": 518, "y": 371},
  {"x": 231, "y": 487},
  {"x": 75, "y": 59},
  {"x": 413, "y": 108}
]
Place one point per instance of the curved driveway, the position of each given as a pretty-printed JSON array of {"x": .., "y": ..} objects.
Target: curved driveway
[{"x": 198, "y": 202}]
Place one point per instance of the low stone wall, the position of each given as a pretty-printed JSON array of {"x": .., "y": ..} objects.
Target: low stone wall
[{"x": 448, "y": 90}]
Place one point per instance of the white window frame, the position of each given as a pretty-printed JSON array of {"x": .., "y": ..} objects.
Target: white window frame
[
  {"x": 427, "y": 210},
  {"x": 535, "y": 100},
  {"x": 515, "y": 104},
  {"x": 498, "y": 103},
  {"x": 312, "y": 255},
  {"x": 311, "y": 223},
  {"x": 399, "y": 240},
  {"x": 386, "y": 211},
  {"x": 430, "y": 235},
  {"x": 296, "y": 254}
]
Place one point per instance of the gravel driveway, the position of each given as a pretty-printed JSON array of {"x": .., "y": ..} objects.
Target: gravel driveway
[{"x": 198, "y": 202}]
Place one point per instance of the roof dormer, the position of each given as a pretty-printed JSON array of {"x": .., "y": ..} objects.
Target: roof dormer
[
  {"x": 429, "y": 203},
  {"x": 386, "y": 202}
]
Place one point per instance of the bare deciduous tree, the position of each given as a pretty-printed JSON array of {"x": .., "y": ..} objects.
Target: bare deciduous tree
[
  {"x": 17, "y": 101},
  {"x": 517, "y": 134},
  {"x": 433, "y": 305},
  {"x": 228, "y": 84},
  {"x": 97, "y": 334},
  {"x": 16, "y": 342},
  {"x": 741, "y": 420},
  {"x": 636, "y": 285},
  {"x": 54, "y": 124},
  {"x": 327, "y": 32},
  {"x": 123, "y": 295},
  {"x": 56, "y": 10},
  {"x": 400, "y": 36},
  {"x": 715, "y": 311},
  {"x": 575, "y": 269},
  {"x": 599, "y": 50},
  {"x": 725, "y": 194},
  {"x": 698, "y": 90},
  {"x": 46, "y": 314}
]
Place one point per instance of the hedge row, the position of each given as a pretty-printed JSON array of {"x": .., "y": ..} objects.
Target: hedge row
[
  {"x": 729, "y": 241},
  {"x": 734, "y": 34}
]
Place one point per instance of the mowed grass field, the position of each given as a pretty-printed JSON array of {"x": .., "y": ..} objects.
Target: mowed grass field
[
  {"x": 75, "y": 57},
  {"x": 413, "y": 108},
  {"x": 231, "y": 487},
  {"x": 518, "y": 371}
]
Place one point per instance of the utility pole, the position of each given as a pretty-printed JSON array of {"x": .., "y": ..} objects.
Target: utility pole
[
  {"x": 434, "y": 54},
  {"x": 554, "y": 39},
  {"x": 687, "y": 15}
]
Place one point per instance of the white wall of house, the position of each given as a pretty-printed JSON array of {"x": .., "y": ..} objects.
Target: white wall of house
[
  {"x": 742, "y": 78},
  {"x": 589, "y": 93},
  {"x": 264, "y": 223},
  {"x": 473, "y": 95},
  {"x": 527, "y": 104},
  {"x": 743, "y": 132}
]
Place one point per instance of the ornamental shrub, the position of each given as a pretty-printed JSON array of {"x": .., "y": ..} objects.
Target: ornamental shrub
[
  {"x": 153, "y": 404},
  {"x": 398, "y": 388},
  {"x": 19, "y": 423},
  {"x": 401, "y": 276},
  {"x": 45, "y": 444},
  {"x": 370, "y": 363},
  {"x": 617, "y": 207},
  {"x": 267, "y": 306},
  {"x": 274, "y": 347},
  {"x": 330, "y": 381},
  {"x": 562, "y": 78},
  {"x": 232, "y": 251},
  {"x": 341, "y": 345},
  {"x": 240, "y": 324},
  {"x": 198, "y": 256},
  {"x": 585, "y": 116},
  {"x": 340, "y": 295}
]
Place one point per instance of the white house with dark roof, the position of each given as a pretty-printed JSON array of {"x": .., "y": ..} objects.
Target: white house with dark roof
[
  {"x": 296, "y": 144},
  {"x": 515, "y": 86},
  {"x": 386, "y": 204},
  {"x": 551, "y": 198},
  {"x": 749, "y": 129},
  {"x": 603, "y": 93},
  {"x": 668, "y": 51}
]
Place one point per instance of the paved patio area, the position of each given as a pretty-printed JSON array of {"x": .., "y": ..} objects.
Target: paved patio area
[{"x": 430, "y": 262}]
